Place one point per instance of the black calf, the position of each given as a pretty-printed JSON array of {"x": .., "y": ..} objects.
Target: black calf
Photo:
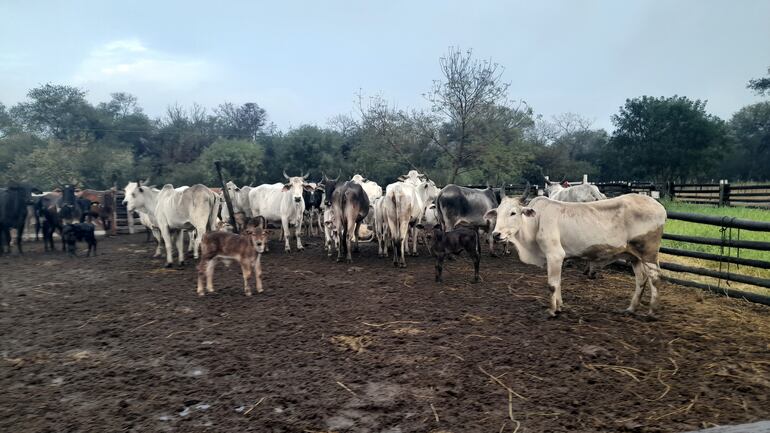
[
  {"x": 454, "y": 242},
  {"x": 71, "y": 233}
]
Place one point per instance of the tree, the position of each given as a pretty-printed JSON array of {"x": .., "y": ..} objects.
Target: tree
[
  {"x": 463, "y": 99},
  {"x": 666, "y": 139},
  {"x": 240, "y": 122},
  {"x": 61, "y": 112},
  {"x": 242, "y": 161},
  {"x": 760, "y": 85},
  {"x": 750, "y": 129}
]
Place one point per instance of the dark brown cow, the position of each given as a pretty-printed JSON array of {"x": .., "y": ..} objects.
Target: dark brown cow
[
  {"x": 462, "y": 237},
  {"x": 245, "y": 248}
]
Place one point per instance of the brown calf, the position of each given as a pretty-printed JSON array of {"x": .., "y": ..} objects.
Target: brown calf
[{"x": 245, "y": 248}]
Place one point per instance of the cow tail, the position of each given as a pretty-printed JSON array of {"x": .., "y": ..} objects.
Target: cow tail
[
  {"x": 398, "y": 213},
  {"x": 213, "y": 211},
  {"x": 343, "y": 220}
]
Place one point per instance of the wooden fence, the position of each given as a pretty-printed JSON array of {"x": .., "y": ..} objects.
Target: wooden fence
[{"x": 720, "y": 194}]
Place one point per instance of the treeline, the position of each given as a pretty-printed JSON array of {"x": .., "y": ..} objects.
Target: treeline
[{"x": 470, "y": 132}]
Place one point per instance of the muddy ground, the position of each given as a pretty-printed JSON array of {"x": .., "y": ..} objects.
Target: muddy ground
[{"x": 117, "y": 343}]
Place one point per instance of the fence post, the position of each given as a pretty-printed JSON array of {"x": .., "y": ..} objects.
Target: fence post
[
  {"x": 585, "y": 179},
  {"x": 670, "y": 189},
  {"x": 726, "y": 187}
]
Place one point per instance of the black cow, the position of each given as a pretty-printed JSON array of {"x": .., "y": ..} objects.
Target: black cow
[
  {"x": 13, "y": 213},
  {"x": 47, "y": 209},
  {"x": 72, "y": 233},
  {"x": 462, "y": 237},
  {"x": 350, "y": 205},
  {"x": 313, "y": 200},
  {"x": 70, "y": 210},
  {"x": 458, "y": 203}
]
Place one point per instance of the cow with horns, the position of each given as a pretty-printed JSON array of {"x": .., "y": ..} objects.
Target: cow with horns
[
  {"x": 545, "y": 232},
  {"x": 282, "y": 203}
]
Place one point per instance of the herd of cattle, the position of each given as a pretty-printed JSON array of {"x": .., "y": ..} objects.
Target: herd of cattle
[{"x": 571, "y": 222}]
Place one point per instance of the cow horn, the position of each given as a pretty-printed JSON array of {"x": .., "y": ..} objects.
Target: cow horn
[
  {"x": 139, "y": 182},
  {"x": 146, "y": 181},
  {"x": 285, "y": 175},
  {"x": 339, "y": 173},
  {"x": 525, "y": 195},
  {"x": 304, "y": 176}
]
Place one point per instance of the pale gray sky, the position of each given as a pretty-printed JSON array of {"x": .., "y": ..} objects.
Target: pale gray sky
[{"x": 303, "y": 61}]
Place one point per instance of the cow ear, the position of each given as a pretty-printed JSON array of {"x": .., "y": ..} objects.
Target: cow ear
[
  {"x": 308, "y": 188},
  {"x": 528, "y": 211},
  {"x": 141, "y": 189},
  {"x": 285, "y": 188},
  {"x": 491, "y": 214}
]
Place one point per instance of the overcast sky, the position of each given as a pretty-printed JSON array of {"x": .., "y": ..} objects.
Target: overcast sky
[{"x": 304, "y": 61}]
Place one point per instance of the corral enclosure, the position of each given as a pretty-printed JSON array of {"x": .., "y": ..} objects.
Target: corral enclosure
[{"x": 116, "y": 342}]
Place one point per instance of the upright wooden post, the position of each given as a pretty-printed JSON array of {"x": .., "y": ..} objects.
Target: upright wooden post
[
  {"x": 226, "y": 194},
  {"x": 727, "y": 192}
]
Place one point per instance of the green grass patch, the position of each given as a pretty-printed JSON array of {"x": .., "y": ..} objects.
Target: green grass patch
[{"x": 710, "y": 231}]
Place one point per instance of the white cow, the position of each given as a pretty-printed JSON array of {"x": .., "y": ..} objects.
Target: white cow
[
  {"x": 403, "y": 209},
  {"x": 282, "y": 203},
  {"x": 239, "y": 198},
  {"x": 143, "y": 200},
  {"x": 372, "y": 190},
  {"x": 426, "y": 192},
  {"x": 575, "y": 194},
  {"x": 330, "y": 232},
  {"x": 381, "y": 226},
  {"x": 195, "y": 208},
  {"x": 545, "y": 232}
]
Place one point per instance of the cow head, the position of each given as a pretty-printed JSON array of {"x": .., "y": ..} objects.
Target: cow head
[
  {"x": 509, "y": 216},
  {"x": 232, "y": 188},
  {"x": 328, "y": 186},
  {"x": 135, "y": 197},
  {"x": 295, "y": 186},
  {"x": 255, "y": 230},
  {"x": 551, "y": 188}
]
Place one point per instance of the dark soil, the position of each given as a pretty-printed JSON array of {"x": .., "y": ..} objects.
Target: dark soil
[{"x": 117, "y": 343}]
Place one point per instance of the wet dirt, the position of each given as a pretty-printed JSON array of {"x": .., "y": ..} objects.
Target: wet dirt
[{"x": 118, "y": 343}]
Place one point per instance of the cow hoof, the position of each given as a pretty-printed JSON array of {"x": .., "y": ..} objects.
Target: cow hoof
[
  {"x": 301, "y": 249},
  {"x": 248, "y": 293},
  {"x": 651, "y": 317},
  {"x": 552, "y": 314},
  {"x": 180, "y": 266},
  {"x": 627, "y": 312},
  {"x": 169, "y": 265},
  {"x": 200, "y": 293},
  {"x": 476, "y": 280},
  {"x": 494, "y": 255}
]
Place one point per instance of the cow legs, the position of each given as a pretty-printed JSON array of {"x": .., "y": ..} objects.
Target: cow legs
[
  {"x": 19, "y": 232},
  {"x": 159, "y": 240},
  {"x": 554, "y": 282},
  {"x": 640, "y": 283},
  {"x": 246, "y": 270},
  {"x": 414, "y": 240},
  {"x": 286, "y": 234},
  {"x": 297, "y": 234},
  {"x": 258, "y": 273},
  {"x": 476, "y": 262},
  {"x": 439, "y": 267},
  {"x": 179, "y": 246}
]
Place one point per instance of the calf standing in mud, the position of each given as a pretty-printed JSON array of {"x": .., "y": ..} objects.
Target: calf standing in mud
[
  {"x": 245, "y": 248},
  {"x": 72, "y": 233},
  {"x": 462, "y": 237}
]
